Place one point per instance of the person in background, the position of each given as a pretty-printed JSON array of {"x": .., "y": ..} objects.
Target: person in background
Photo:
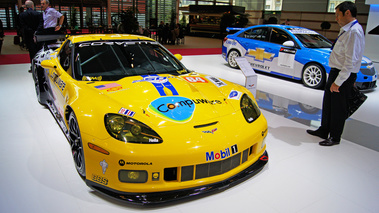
[
  {"x": 31, "y": 21},
  {"x": 50, "y": 17},
  {"x": 18, "y": 24},
  {"x": 345, "y": 61},
  {"x": 286, "y": 22},
  {"x": 1, "y": 35}
]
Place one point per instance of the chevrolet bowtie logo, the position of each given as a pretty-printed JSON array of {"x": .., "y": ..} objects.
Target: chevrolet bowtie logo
[{"x": 260, "y": 54}]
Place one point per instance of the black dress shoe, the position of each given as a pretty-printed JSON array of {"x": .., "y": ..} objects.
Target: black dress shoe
[
  {"x": 329, "y": 142},
  {"x": 317, "y": 133}
]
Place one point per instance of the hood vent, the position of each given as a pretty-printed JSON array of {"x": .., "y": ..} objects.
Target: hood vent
[{"x": 205, "y": 125}]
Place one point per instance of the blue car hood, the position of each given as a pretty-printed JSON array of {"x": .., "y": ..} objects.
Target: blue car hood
[
  {"x": 327, "y": 51},
  {"x": 322, "y": 50}
]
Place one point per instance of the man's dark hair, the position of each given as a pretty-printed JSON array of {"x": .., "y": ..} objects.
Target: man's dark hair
[{"x": 348, "y": 5}]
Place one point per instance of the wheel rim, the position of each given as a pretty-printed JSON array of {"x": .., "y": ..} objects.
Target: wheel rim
[
  {"x": 312, "y": 76},
  {"x": 76, "y": 146},
  {"x": 231, "y": 59}
]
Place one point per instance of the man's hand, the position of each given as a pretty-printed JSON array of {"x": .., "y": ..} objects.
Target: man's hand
[
  {"x": 58, "y": 27},
  {"x": 334, "y": 88}
]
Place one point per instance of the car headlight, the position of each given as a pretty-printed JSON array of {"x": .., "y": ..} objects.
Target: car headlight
[
  {"x": 132, "y": 176},
  {"x": 130, "y": 130},
  {"x": 249, "y": 109}
]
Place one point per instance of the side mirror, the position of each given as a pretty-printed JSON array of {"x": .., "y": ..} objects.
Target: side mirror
[
  {"x": 50, "y": 64},
  {"x": 289, "y": 44},
  {"x": 179, "y": 57}
]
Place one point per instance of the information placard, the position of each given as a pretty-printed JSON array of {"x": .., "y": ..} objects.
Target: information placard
[{"x": 251, "y": 77}]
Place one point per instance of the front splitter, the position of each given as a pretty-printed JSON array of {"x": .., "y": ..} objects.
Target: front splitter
[{"x": 169, "y": 196}]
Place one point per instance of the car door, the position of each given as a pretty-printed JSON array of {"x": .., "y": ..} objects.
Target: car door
[
  {"x": 255, "y": 42},
  {"x": 58, "y": 78},
  {"x": 283, "y": 62}
]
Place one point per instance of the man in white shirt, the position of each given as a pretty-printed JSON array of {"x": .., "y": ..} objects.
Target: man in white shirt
[
  {"x": 50, "y": 17},
  {"x": 345, "y": 61}
]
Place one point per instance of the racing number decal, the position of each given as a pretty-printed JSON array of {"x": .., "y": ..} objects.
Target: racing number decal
[{"x": 195, "y": 79}]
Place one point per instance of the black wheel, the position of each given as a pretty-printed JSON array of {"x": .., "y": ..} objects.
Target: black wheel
[
  {"x": 313, "y": 76},
  {"x": 38, "y": 78},
  {"x": 231, "y": 58},
  {"x": 76, "y": 145}
]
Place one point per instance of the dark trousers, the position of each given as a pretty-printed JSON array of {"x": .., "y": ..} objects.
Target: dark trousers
[
  {"x": 30, "y": 44},
  {"x": 334, "y": 106}
]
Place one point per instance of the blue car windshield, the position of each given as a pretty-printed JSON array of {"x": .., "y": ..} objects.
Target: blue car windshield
[
  {"x": 313, "y": 40},
  {"x": 113, "y": 60}
]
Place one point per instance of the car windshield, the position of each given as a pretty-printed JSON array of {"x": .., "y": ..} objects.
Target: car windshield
[
  {"x": 113, "y": 60},
  {"x": 311, "y": 39}
]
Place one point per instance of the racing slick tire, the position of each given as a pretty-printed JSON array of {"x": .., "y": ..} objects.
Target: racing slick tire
[
  {"x": 313, "y": 76},
  {"x": 231, "y": 58},
  {"x": 39, "y": 81},
  {"x": 75, "y": 139}
]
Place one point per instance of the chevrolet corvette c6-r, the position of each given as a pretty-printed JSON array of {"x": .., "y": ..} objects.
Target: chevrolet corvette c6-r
[{"x": 143, "y": 128}]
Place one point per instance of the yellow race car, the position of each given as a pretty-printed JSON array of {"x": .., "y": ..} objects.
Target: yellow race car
[{"x": 143, "y": 128}]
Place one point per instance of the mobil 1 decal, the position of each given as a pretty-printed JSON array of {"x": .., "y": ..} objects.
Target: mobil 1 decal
[
  {"x": 174, "y": 108},
  {"x": 286, "y": 57},
  {"x": 222, "y": 154}
]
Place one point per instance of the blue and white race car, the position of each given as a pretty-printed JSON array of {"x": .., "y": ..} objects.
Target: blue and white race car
[{"x": 293, "y": 52}]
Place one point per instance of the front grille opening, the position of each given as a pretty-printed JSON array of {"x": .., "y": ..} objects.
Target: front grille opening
[
  {"x": 218, "y": 167},
  {"x": 211, "y": 169},
  {"x": 245, "y": 154},
  {"x": 187, "y": 173},
  {"x": 253, "y": 149},
  {"x": 170, "y": 174}
]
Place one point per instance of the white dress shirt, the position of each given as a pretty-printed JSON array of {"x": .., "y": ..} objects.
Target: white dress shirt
[
  {"x": 348, "y": 51},
  {"x": 50, "y": 17}
]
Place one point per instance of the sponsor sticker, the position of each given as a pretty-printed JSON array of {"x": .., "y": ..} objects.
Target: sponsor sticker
[
  {"x": 174, "y": 108},
  {"x": 155, "y": 176},
  {"x": 211, "y": 156},
  {"x": 109, "y": 87},
  {"x": 99, "y": 179},
  {"x": 216, "y": 81},
  {"x": 126, "y": 112},
  {"x": 104, "y": 166},
  {"x": 162, "y": 84},
  {"x": 235, "y": 95}
]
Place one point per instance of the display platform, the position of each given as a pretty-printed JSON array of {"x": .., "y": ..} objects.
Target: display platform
[{"x": 38, "y": 174}]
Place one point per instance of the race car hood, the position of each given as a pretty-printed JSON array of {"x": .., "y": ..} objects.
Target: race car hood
[
  {"x": 172, "y": 99},
  {"x": 322, "y": 50}
]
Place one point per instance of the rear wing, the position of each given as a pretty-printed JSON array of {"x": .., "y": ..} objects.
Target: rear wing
[{"x": 41, "y": 38}]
